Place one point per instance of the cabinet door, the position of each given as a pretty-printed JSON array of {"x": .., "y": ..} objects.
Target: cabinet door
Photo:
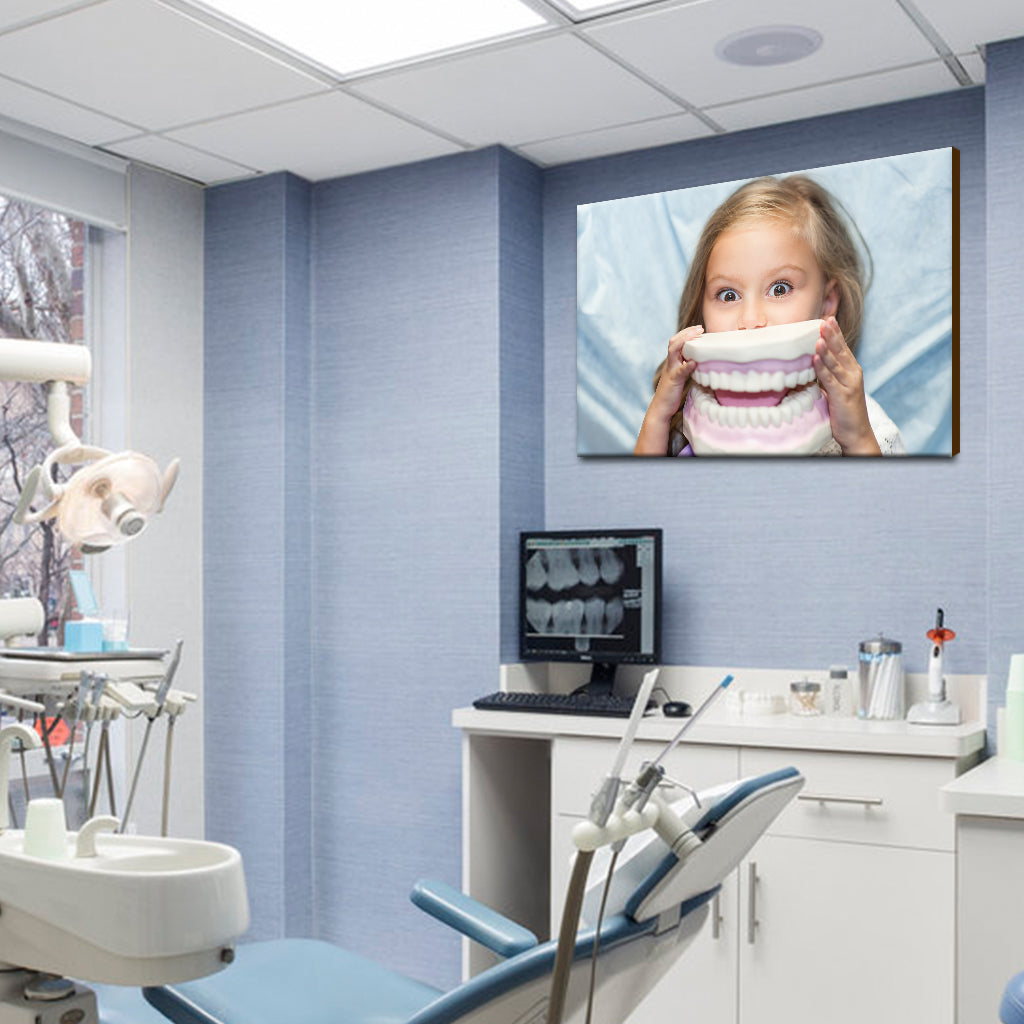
[
  {"x": 846, "y": 933},
  {"x": 701, "y": 986}
]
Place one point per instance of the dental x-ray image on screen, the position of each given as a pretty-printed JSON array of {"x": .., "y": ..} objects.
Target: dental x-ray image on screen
[
  {"x": 590, "y": 596},
  {"x": 806, "y": 312}
]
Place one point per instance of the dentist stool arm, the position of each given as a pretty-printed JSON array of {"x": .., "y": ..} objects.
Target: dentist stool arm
[{"x": 470, "y": 917}]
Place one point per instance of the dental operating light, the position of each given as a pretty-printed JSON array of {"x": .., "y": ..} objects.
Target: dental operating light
[{"x": 112, "y": 496}]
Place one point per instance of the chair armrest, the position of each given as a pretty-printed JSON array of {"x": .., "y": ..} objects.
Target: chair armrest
[{"x": 472, "y": 918}]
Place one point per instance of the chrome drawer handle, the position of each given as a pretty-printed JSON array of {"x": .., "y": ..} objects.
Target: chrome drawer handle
[
  {"x": 829, "y": 798},
  {"x": 752, "y": 921}
]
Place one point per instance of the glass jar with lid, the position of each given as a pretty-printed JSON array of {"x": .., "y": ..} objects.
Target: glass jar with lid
[{"x": 805, "y": 697}]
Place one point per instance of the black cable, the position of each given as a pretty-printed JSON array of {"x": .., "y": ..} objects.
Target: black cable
[{"x": 597, "y": 932}]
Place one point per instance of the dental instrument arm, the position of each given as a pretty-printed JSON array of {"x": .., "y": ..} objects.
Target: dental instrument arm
[
  {"x": 151, "y": 716},
  {"x": 8, "y": 735},
  {"x": 600, "y": 810}
]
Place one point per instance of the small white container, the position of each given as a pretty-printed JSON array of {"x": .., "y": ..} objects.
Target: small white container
[
  {"x": 46, "y": 829},
  {"x": 839, "y": 702}
]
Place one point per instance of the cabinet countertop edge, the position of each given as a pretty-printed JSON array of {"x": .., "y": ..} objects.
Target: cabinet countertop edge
[{"x": 834, "y": 735}]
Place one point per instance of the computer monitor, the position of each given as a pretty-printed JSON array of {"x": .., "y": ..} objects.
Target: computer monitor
[{"x": 591, "y": 596}]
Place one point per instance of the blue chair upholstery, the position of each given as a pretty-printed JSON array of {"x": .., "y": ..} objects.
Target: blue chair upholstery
[{"x": 1011, "y": 1009}]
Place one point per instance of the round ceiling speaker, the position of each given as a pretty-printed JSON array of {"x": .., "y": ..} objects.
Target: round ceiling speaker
[{"x": 770, "y": 44}]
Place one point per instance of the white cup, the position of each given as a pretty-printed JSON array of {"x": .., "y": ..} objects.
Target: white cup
[{"x": 46, "y": 829}]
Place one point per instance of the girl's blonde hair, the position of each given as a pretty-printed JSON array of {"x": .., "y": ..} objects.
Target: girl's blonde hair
[{"x": 817, "y": 217}]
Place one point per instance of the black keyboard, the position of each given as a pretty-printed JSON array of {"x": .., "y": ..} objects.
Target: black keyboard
[{"x": 557, "y": 703}]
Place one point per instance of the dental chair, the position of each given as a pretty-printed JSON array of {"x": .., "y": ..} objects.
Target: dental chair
[{"x": 655, "y": 902}]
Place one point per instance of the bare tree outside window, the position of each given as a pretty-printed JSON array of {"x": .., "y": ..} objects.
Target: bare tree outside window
[{"x": 42, "y": 260}]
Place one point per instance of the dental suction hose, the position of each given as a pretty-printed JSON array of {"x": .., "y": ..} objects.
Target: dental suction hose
[
  {"x": 611, "y": 820},
  {"x": 601, "y": 808}
]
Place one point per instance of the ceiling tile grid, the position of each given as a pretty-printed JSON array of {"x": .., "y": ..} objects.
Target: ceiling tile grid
[{"x": 159, "y": 82}]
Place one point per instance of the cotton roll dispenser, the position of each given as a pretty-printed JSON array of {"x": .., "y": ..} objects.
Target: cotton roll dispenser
[{"x": 880, "y": 668}]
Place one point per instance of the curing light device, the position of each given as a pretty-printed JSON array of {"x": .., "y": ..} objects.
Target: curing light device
[{"x": 936, "y": 710}]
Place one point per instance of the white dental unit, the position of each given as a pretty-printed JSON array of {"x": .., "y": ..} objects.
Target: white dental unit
[{"x": 97, "y": 905}]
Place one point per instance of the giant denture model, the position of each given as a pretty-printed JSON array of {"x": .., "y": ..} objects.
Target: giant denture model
[{"x": 753, "y": 392}]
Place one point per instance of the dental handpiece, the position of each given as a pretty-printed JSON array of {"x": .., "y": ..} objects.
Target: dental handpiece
[
  {"x": 603, "y": 802},
  {"x": 165, "y": 683},
  {"x": 688, "y": 724}
]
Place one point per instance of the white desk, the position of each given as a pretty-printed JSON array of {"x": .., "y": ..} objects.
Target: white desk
[
  {"x": 988, "y": 802},
  {"x": 854, "y": 883}
]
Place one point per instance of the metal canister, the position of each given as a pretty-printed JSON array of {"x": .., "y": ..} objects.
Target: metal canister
[{"x": 880, "y": 666}]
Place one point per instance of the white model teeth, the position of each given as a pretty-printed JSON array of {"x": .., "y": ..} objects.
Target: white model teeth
[
  {"x": 791, "y": 408},
  {"x": 753, "y": 380}
]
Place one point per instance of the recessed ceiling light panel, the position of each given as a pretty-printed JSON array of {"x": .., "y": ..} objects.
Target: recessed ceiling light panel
[
  {"x": 347, "y": 36},
  {"x": 770, "y": 44}
]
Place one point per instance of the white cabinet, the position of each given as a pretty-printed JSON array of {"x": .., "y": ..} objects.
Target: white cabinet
[
  {"x": 846, "y": 933},
  {"x": 844, "y": 912},
  {"x": 989, "y": 806}
]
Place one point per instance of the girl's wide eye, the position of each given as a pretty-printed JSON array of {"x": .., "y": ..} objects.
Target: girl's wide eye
[
  {"x": 727, "y": 295},
  {"x": 781, "y": 288}
]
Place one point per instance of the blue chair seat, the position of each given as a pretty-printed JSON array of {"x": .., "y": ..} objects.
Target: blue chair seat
[
  {"x": 299, "y": 980},
  {"x": 1011, "y": 1009}
]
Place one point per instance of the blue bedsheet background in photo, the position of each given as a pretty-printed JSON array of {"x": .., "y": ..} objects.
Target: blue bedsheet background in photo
[{"x": 632, "y": 259}]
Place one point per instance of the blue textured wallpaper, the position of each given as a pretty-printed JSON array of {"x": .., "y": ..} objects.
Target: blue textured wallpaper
[
  {"x": 1004, "y": 121},
  {"x": 789, "y": 563},
  {"x": 406, "y": 404},
  {"x": 419, "y": 319},
  {"x": 256, "y": 526}
]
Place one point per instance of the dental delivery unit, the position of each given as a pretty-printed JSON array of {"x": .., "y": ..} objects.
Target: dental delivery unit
[
  {"x": 657, "y": 867},
  {"x": 94, "y": 904},
  {"x": 754, "y": 392}
]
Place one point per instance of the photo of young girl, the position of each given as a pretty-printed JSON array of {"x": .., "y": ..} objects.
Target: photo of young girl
[{"x": 777, "y": 348}]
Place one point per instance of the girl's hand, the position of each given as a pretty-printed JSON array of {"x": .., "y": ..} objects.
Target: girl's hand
[
  {"x": 668, "y": 396},
  {"x": 842, "y": 380}
]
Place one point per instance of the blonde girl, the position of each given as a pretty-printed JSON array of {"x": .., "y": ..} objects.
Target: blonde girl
[{"x": 776, "y": 251}]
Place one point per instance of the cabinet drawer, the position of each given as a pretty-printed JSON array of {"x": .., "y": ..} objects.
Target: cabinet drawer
[
  {"x": 863, "y": 798},
  {"x": 579, "y": 765}
]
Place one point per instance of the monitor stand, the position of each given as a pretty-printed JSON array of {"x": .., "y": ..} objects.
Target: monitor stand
[{"x": 602, "y": 681}]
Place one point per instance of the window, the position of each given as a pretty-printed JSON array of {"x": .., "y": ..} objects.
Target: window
[{"x": 43, "y": 295}]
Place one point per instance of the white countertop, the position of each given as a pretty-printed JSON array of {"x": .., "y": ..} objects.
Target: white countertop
[
  {"x": 995, "y": 788},
  {"x": 722, "y": 727}
]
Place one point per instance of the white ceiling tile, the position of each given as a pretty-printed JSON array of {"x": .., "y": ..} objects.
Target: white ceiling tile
[
  {"x": 966, "y": 25},
  {"x": 676, "y": 46},
  {"x": 57, "y": 115},
  {"x": 546, "y": 87},
  {"x": 320, "y": 137},
  {"x": 141, "y": 62},
  {"x": 605, "y": 142},
  {"x": 17, "y": 12},
  {"x": 868, "y": 91},
  {"x": 973, "y": 65},
  {"x": 183, "y": 160}
]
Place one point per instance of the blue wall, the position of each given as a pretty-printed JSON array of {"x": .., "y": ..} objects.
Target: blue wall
[
  {"x": 380, "y": 490},
  {"x": 256, "y": 592},
  {"x": 1004, "y": 125},
  {"x": 438, "y": 415},
  {"x": 789, "y": 564}
]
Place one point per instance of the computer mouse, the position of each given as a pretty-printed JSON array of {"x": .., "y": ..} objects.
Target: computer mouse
[{"x": 676, "y": 709}]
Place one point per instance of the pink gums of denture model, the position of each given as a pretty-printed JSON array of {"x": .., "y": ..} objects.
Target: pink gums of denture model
[{"x": 753, "y": 392}]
